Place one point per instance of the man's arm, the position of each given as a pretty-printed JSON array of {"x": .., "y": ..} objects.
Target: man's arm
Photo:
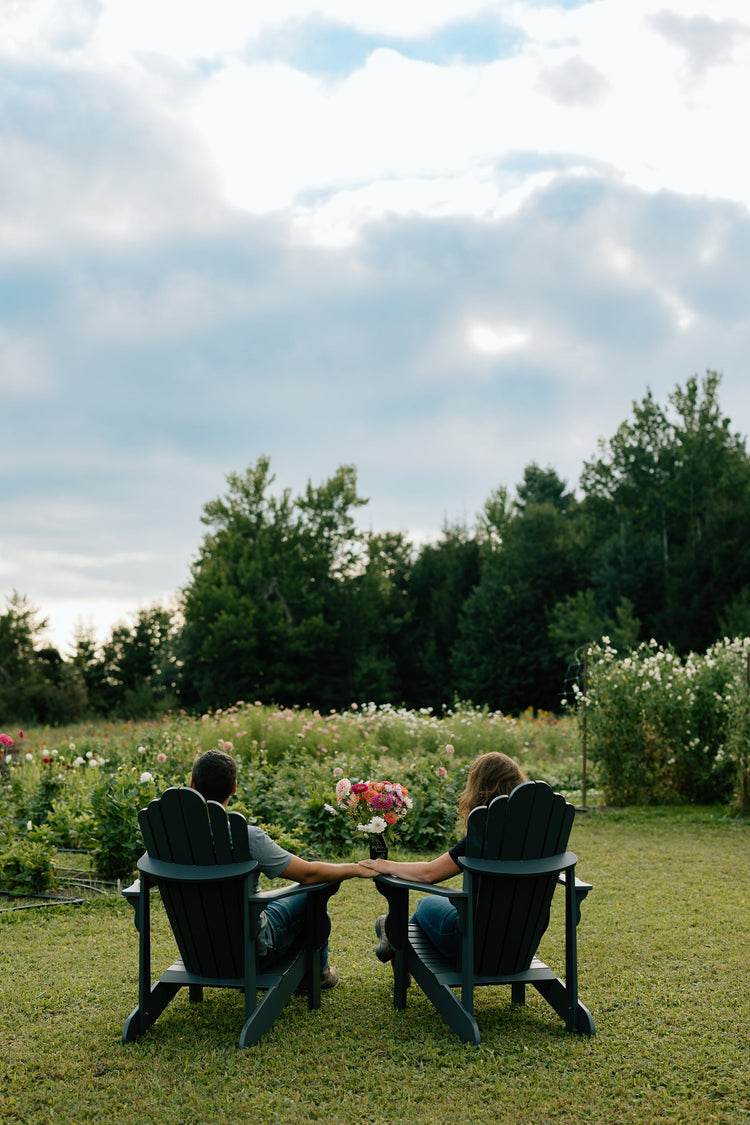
[{"x": 306, "y": 871}]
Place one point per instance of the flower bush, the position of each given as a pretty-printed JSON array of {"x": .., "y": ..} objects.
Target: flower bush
[{"x": 662, "y": 729}]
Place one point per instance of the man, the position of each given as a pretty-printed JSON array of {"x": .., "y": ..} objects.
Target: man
[{"x": 214, "y": 776}]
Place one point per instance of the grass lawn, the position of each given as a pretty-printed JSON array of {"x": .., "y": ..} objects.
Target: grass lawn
[{"x": 664, "y": 947}]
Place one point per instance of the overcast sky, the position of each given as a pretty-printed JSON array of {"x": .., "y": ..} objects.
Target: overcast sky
[{"x": 437, "y": 239}]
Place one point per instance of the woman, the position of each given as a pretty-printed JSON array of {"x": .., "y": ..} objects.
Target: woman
[{"x": 491, "y": 775}]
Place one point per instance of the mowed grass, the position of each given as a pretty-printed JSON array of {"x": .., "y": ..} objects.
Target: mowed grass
[{"x": 664, "y": 946}]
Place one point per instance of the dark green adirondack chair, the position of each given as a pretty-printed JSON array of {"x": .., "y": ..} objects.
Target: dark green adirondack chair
[
  {"x": 198, "y": 856},
  {"x": 515, "y": 856}
]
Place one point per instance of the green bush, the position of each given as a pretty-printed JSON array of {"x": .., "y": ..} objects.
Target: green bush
[
  {"x": 27, "y": 861},
  {"x": 660, "y": 726},
  {"x": 114, "y": 835}
]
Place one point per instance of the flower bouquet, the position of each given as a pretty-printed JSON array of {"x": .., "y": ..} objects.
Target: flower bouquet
[{"x": 376, "y": 807}]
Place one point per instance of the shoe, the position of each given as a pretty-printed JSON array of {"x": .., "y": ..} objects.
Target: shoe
[
  {"x": 384, "y": 949},
  {"x": 329, "y": 978}
]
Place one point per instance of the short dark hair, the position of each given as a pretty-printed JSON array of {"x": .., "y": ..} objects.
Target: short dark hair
[{"x": 215, "y": 775}]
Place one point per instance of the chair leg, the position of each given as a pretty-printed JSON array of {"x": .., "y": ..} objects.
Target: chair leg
[
  {"x": 556, "y": 995},
  {"x": 139, "y": 1020},
  {"x": 518, "y": 993},
  {"x": 449, "y": 1007}
]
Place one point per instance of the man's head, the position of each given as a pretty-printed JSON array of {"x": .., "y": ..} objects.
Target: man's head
[{"x": 214, "y": 776}]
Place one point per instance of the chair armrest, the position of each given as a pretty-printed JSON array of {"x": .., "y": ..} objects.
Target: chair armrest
[
  {"x": 190, "y": 873},
  {"x": 395, "y": 882},
  {"x": 515, "y": 868},
  {"x": 295, "y": 889}
]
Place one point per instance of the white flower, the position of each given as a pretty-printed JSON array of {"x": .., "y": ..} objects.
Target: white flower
[
  {"x": 343, "y": 787},
  {"x": 93, "y": 762},
  {"x": 330, "y": 809},
  {"x": 377, "y": 824},
  {"x": 89, "y": 753},
  {"x": 29, "y": 826},
  {"x": 146, "y": 776},
  {"x": 29, "y": 757},
  {"x": 141, "y": 749},
  {"x": 79, "y": 761}
]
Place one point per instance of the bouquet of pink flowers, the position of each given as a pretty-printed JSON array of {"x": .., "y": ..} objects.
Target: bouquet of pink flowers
[{"x": 374, "y": 806}]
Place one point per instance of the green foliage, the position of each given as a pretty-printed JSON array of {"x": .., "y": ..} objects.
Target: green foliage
[
  {"x": 27, "y": 860},
  {"x": 114, "y": 834},
  {"x": 660, "y": 725}
]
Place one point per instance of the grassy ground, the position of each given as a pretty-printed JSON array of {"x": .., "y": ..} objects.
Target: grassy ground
[{"x": 664, "y": 945}]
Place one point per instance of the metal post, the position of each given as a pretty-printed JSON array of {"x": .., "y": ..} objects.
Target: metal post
[{"x": 584, "y": 722}]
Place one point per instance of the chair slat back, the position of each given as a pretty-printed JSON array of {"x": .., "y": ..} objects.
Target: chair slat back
[
  {"x": 206, "y": 918},
  {"x": 510, "y": 915}
]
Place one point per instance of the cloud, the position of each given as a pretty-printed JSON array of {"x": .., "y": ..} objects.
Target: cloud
[
  {"x": 706, "y": 42},
  {"x": 252, "y": 229}
]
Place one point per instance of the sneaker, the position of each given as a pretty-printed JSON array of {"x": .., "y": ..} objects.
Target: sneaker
[
  {"x": 329, "y": 978},
  {"x": 384, "y": 949}
]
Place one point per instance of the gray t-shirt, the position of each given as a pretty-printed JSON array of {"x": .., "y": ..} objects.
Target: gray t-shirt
[{"x": 273, "y": 861}]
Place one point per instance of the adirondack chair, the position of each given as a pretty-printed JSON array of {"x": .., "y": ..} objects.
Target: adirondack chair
[
  {"x": 515, "y": 857},
  {"x": 198, "y": 856}
]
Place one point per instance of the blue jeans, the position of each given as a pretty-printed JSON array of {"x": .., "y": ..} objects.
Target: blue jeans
[
  {"x": 285, "y": 918},
  {"x": 439, "y": 921}
]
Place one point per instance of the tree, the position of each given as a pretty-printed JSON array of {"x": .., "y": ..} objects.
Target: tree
[
  {"x": 443, "y": 576},
  {"x": 35, "y": 683},
  {"x": 264, "y": 606},
  {"x": 503, "y": 656},
  {"x": 136, "y": 671},
  {"x": 669, "y": 497}
]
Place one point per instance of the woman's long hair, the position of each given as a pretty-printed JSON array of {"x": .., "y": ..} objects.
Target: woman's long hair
[{"x": 490, "y": 776}]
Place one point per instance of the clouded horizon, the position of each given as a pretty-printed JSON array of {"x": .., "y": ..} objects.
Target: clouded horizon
[{"x": 435, "y": 240}]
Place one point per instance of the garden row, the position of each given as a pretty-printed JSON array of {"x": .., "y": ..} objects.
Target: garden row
[
  {"x": 659, "y": 730},
  {"x": 82, "y": 789}
]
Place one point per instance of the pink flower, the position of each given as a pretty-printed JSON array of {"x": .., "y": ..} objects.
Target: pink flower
[
  {"x": 441, "y": 771},
  {"x": 20, "y": 734},
  {"x": 337, "y": 771},
  {"x": 161, "y": 757},
  {"x": 6, "y": 740},
  {"x": 382, "y": 801},
  {"x": 449, "y": 749}
]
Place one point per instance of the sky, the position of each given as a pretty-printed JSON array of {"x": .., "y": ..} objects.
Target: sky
[{"x": 435, "y": 239}]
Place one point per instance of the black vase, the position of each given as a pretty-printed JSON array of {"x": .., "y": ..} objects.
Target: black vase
[{"x": 378, "y": 848}]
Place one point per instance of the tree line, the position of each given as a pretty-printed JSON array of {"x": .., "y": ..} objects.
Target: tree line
[{"x": 288, "y": 602}]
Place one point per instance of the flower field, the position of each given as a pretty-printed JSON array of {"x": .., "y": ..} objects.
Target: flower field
[{"x": 81, "y": 788}]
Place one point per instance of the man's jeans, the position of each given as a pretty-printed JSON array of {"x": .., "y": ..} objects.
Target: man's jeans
[{"x": 285, "y": 918}]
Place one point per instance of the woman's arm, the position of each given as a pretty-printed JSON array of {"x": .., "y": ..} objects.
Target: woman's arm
[{"x": 427, "y": 871}]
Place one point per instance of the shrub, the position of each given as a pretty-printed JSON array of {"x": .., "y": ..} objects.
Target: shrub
[
  {"x": 27, "y": 861},
  {"x": 660, "y": 726}
]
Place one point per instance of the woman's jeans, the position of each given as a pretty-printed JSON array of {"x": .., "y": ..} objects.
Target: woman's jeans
[
  {"x": 285, "y": 918},
  {"x": 439, "y": 921}
]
